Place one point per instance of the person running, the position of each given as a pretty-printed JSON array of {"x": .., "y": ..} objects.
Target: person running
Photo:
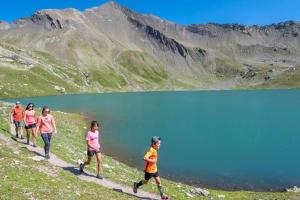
[
  {"x": 93, "y": 148},
  {"x": 46, "y": 126},
  {"x": 150, "y": 168},
  {"x": 30, "y": 123},
  {"x": 16, "y": 117}
]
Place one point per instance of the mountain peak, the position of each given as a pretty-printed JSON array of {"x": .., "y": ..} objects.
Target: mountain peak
[{"x": 107, "y": 6}]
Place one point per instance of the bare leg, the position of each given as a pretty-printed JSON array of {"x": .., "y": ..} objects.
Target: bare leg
[
  {"x": 20, "y": 131},
  {"x": 27, "y": 135},
  {"x": 88, "y": 161},
  {"x": 34, "y": 136},
  {"x": 99, "y": 163},
  {"x": 160, "y": 188}
]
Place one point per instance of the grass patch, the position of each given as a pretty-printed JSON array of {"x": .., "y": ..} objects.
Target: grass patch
[
  {"x": 36, "y": 81},
  {"x": 288, "y": 79},
  {"x": 45, "y": 57},
  {"x": 143, "y": 65},
  {"x": 107, "y": 77},
  {"x": 226, "y": 68}
]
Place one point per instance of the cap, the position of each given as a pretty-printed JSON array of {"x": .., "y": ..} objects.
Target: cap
[
  {"x": 155, "y": 139},
  {"x": 17, "y": 102}
]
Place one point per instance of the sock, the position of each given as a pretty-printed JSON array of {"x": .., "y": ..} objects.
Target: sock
[
  {"x": 160, "y": 189},
  {"x": 139, "y": 184}
]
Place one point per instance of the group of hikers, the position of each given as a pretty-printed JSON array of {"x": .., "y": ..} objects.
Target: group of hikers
[{"x": 45, "y": 125}]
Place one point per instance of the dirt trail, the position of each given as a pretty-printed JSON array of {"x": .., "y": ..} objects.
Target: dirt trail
[{"x": 54, "y": 160}]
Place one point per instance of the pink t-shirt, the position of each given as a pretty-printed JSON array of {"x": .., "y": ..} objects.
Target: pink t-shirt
[
  {"x": 45, "y": 124},
  {"x": 93, "y": 138},
  {"x": 30, "y": 117}
]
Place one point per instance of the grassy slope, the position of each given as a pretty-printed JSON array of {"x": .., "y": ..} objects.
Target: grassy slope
[
  {"x": 289, "y": 79},
  {"x": 70, "y": 146},
  {"x": 142, "y": 71}
]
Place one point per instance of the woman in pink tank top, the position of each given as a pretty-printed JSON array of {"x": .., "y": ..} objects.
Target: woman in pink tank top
[
  {"x": 93, "y": 148},
  {"x": 30, "y": 123}
]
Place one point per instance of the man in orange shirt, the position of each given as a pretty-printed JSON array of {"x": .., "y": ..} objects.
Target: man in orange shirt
[
  {"x": 16, "y": 117},
  {"x": 150, "y": 168}
]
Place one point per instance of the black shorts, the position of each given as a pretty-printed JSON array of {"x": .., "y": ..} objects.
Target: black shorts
[
  {"x": 92, "y": 153},
  {"x": 30, "y": 126},
  {"x": 148, "y": 176}
]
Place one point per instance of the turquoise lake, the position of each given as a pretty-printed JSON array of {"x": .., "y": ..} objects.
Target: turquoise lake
[{"x": 220, "y": 139}]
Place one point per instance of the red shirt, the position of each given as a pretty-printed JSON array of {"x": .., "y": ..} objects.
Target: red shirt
[{"x": 17, "y": 113}]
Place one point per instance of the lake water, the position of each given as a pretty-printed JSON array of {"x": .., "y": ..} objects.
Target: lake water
[{"x": 222, "y": 139}]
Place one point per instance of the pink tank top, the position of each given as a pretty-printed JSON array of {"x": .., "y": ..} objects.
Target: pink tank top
[
  {"x": 46, "y": 124},
  {"x": 30, "y": 117}
]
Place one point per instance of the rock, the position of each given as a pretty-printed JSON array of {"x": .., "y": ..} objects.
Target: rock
[
  {"x": 221, "y": 196},
  {"x": 248, "y": 72},
  {"x": 60, "y": 89},
  {"x": 37, "y": 158},
  {"x": 267, "y": 77},
  {"x": 16, "y": 162},
  {"x": 106, "y": 166},
  {"x": 189, "y": 195},
  {"x": 200, "y": 192},
  {"x": 294, "y": 189}
]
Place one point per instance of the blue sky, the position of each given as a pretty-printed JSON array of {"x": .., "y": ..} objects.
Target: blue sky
[{"x": 184, "y": 12}]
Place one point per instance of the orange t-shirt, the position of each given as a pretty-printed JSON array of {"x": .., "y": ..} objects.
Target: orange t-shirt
[
  {"x": 151, "y": 167},
  {"x": 17, "y": 113}
]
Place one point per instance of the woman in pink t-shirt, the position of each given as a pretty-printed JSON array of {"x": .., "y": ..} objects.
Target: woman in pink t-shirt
[
  {"x": 30, "y": 123},
  {"x": 93, "y": 148},
  {"x": 46, "y": 126}
]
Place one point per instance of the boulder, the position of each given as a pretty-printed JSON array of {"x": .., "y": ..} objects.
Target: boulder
[
  {"x": 293, "y": 189},
  {"x": 200, "y": 192}
]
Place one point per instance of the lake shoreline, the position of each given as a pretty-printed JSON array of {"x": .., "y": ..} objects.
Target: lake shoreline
[{"x": 154, "y": 91}]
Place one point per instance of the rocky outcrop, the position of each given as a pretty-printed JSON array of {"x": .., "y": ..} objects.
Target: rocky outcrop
[
  {"x": 169, "y": 44},
  {"x": 201, "y": 30},
  {"x": 45, "y": 19},
  {"x": 40, "y": 18}
]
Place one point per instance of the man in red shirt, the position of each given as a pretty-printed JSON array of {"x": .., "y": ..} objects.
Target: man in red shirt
[{"x": 16, "y": 117}]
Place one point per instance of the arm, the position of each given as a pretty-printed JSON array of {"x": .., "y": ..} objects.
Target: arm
[
  {"x": 89, "y": 144},
  {"x": 148, "y": 159},
  {"x": 54, "y": 125},
  {"x": 24, "y": 118},
  {"x": 37, "y": 126},
  {"x": 12, "y": 116}
]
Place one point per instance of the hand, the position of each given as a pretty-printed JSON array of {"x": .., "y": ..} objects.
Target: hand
[{"x": 54, "y": 131}]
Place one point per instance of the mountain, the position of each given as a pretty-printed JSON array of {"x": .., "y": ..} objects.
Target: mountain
[{"x": 112, "y": 48}]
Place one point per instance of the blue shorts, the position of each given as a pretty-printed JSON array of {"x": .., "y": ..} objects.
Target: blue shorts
[{"x": 18, "y": 123}]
